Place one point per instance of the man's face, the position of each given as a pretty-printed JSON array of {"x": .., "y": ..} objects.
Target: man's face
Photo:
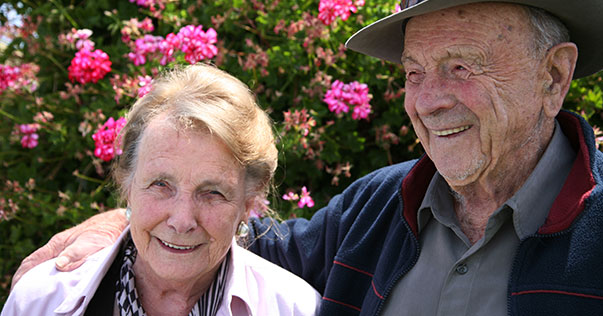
[{"x": 472, "y": 89}]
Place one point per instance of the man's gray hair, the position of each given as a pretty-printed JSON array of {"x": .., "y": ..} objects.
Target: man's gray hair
[{"x": 548, "y": 31}]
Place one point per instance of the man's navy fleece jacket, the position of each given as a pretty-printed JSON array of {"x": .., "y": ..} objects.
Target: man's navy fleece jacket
[{"x": 357, "y": 247}]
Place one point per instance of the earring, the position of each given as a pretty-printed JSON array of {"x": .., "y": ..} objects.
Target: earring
[
  {"x": 243, "y": 229},
  {"x": 128, "y": 213}
]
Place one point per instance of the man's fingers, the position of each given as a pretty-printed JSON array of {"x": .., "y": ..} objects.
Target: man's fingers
[
  {"x": 86, "y": 244},
  {"x": 74, "y": 245}
]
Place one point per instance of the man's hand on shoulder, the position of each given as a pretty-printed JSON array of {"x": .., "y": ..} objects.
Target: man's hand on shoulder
[{"x": 72, "y": 246}]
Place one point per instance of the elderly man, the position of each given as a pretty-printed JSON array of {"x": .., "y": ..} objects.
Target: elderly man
[{"x": 504, "y": 215}]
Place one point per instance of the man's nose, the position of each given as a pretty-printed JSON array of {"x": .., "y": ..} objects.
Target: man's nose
[
  {"x": 183, "y": 216},
  {"x": 435, "y": 94}
]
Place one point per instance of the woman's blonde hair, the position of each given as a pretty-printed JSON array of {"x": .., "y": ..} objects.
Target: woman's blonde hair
[{"x": 202, "y": 96}]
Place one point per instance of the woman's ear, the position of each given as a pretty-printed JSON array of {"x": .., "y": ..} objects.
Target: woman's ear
[{"x": 560, "y": 62}]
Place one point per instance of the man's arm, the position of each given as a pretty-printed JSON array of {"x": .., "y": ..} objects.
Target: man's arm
[{"x": 72, "y": 246}]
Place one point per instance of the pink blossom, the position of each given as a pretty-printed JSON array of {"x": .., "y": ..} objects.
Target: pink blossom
[
  {"x": 168, "y": 47},
  {"x": 290, "y": 196},
  {"x": 361, "y": 112},
  {"x": 105, "y": 139},
  {"x": 260, "y": 208},
  {"x": 305, "y": 199},
  {"x": 79, "y": 39},
  {"x": 146, "y": 25},
  {"x": 88, "y": 66},
  {"x": 18, "y": 77},
  {"x": 341, "y": 96},
  {"x": 197, "y": 44},
  {"x": 144, "y": 47},
  {"x": 145, "y": 85},
  {"x": 9, "y": 75},
  {"x": 29, "y": 137},
  {"x": 329, "y": 10}
]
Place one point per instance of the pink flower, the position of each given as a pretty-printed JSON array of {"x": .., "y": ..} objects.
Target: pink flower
[
  {"x": 361, "y": 111},
  {"x": 145, "y": 85},
  {"x": 197, "y": 44},
  {"x": 89, "y": 66},
  {"x": 328, "y": 10},
  {"x": 305, "y": 199},
  {"x": 290, "y": 196},
  {"x": 146, "y": 25},
  {"x": 260, "y": 208},
  {"x": 168, "y": 47},
  {"x": 144, "y": 47},
  {"x": 9, "y": 76},
  {"x": 30, "y": 137},
  {"x": 105, "y": 139},
  {"x": 341, "y": 96}
]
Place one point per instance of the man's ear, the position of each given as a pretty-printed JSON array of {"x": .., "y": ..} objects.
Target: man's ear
[{"x": 560, "y": 62}]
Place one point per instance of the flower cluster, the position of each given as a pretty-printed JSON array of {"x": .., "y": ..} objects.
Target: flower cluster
[
  {"x": 195, "y": 43},
  {"x": 304, "y": 198},
  {"x": 341, "y": 96},
  {"x": 299, "y": 121},
  {"x": 29, "y": 137},
  {"x": 78, "y": 39},
  {"x": 329, "y": 10},
  {"x": 155, "y": 6},
  {"x": 135, "y": 28},
  {"x": 106, "y": 140},
  {"x": 144, "y": 48},
  {"x": 145, "y": 85},
  {"x": 89, "y": 66},
  {"x": 17, "y": 78}
]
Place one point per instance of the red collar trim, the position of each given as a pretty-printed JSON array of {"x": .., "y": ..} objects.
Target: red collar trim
[{"x": 579, "y": 183}]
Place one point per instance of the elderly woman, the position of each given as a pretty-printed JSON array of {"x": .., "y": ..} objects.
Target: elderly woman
[{"x": 198, "y": 154}]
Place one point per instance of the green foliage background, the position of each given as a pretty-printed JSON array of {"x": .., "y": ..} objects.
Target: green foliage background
[{"x": 71, "y": 184}]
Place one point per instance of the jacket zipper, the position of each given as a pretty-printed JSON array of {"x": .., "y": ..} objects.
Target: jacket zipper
[{"x": 414, "y": 261}]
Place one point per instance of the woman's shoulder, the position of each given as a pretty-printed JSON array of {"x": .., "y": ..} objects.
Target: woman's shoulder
[
  {"x": 275, "y": 286},
  {"x": 44, "y": 290}
]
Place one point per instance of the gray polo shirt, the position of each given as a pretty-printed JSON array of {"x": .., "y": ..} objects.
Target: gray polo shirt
[{"x": 453, "y": 277}]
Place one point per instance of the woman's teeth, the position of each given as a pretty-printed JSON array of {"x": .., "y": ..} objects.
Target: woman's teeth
[{"x": 176, "y": 247}]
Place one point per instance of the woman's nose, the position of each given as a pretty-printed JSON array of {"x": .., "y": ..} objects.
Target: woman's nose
[{"x": 183, "y": 216}]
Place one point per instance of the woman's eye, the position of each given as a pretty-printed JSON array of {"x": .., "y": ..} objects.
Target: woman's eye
[{"x": 159, "y": 183}]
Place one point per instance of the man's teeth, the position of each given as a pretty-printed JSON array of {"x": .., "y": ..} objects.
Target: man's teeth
[
  {"x": 176, "y": 247},
  {"x": 447, "y": 132}
]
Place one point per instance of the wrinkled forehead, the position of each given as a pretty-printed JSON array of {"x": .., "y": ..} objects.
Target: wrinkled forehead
[{"x": 489, "y": 23}]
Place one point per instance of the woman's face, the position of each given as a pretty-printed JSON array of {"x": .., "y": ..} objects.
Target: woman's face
[{"x": 187, "y": 198}]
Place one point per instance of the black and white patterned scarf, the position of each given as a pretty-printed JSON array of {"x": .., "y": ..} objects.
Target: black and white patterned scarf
[{"x": 127, "y": 296}]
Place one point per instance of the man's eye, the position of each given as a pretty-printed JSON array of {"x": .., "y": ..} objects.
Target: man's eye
[
  {"x": 414, "y": 77},
  {"x": 461, "y": 71}
]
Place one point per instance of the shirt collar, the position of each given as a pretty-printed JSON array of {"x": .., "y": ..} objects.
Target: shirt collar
[
  {"x": 238, "y": 290},
  {"x": 530, "y": 204}
]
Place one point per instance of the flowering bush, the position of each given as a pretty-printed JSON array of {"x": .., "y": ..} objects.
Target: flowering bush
[{"x": 69, "y": 70}]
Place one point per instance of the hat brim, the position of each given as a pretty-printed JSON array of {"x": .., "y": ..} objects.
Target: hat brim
[{"x": 384, "y": 39}]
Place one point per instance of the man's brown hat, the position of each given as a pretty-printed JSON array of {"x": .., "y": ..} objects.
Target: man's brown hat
[{"x": 583, "y": 18}]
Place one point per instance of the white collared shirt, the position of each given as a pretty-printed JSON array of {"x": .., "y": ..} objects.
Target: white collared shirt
[{"x": 255, "y": 287}]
